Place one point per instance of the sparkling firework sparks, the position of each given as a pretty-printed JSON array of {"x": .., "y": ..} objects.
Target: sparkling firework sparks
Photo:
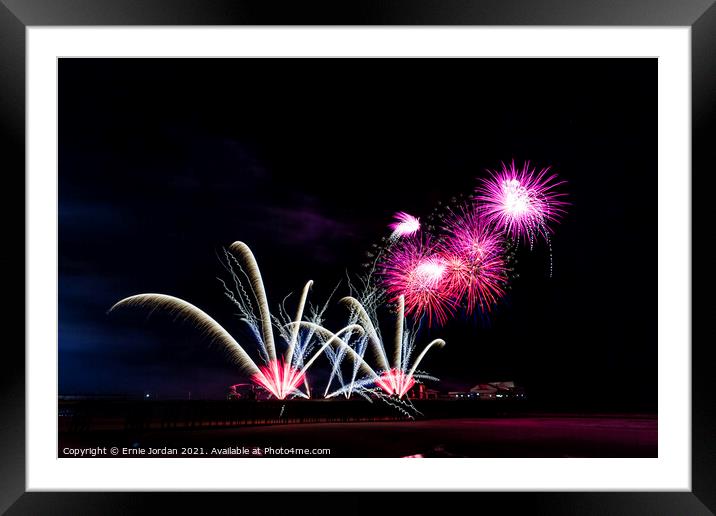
[
  {"x": 521, "y": 202},
  {"x": 416, "y": 270},
  {"x": 369, "y": 298},
  {"x": 281, "y": 377},
  {"x": 473, "y": 253},
  {"x": 205, "y": 323},
  {"x": 395, "y": 380},
  {"x": 278, "y": 379},
  {"x": 406, "y": 225}
]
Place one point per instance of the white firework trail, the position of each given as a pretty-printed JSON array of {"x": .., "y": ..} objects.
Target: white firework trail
[
  {"x": 257, "y": 285},
  {"x": 405, "y": 225},
  {"x": 336, "y": 357},
  {"x": 404, "y": 406},
  {"x": 203, "y": 321},
  {"x": 281, "y": 377},
  {"x": 364, "y": 300},
  {"x": 396, "y": 379}
]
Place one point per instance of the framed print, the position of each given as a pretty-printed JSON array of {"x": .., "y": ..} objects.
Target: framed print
[{"x": 272, "y": 249}]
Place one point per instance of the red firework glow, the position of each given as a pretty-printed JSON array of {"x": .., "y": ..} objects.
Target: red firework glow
[
  {"x": 468, "y": 266},
  {"x": 475, "y": 265},
  {"x": 278, "y": 379},
  {"x": 395, "y": 382},
  {"x": 416, "y": 270}
]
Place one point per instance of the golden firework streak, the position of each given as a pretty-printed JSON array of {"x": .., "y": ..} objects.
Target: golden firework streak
[
  {"x": 437, "y": 342},
  {"x": 296, "y": 327},
  {"x": 203, "y": 321},
  {"x": 370, "y": 328},
  {"x": 257, "y": 285}
]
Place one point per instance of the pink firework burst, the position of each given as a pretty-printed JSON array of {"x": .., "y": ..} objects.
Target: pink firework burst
[
  {"x": 416, "y": 270},
  {"x": 474, "y": 256},
  {"x": 406, "y": 225},
  {"x": 395, "y": 382},
  {"x": 278, "y": 379},
  {"x": 522, "y": 202}
]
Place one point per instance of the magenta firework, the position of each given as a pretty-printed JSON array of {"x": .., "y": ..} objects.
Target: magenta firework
[
  {"x": 466, "y": 264},
  {"x": 466, "y": 267},
  {"x": 405, "y": 225},
  {"x": 521, "y": 202},
  {"x": 475, "y": 256},
  {"x": 416, "y": 269}
]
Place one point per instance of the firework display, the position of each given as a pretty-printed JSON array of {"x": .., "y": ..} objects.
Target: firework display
[
  {"x": 465, "y": 264},
  {"x": 396, "y": 379},
  {"x": 430, "y": 273},
  {"x": 406, "y": 225},
  {"x": 474, "y": 252},
  {"x": 521, "y": 201},
  {"x": 281, "y": 377},
  {"x": 389, "y": 258},
  {"x": 416, "y": 270}
]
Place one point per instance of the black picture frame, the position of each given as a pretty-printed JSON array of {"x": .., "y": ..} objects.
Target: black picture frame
[{"x": 17, "y": 15}]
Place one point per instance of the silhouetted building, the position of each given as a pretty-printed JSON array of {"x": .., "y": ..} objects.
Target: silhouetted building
[
  {"x": 420, "y": 392},
  {"x": 491, "y": 391},
  {"x": 241, "y": 391}
]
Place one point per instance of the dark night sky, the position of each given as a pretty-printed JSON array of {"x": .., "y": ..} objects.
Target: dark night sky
[{"x": 163, "y": 162}]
